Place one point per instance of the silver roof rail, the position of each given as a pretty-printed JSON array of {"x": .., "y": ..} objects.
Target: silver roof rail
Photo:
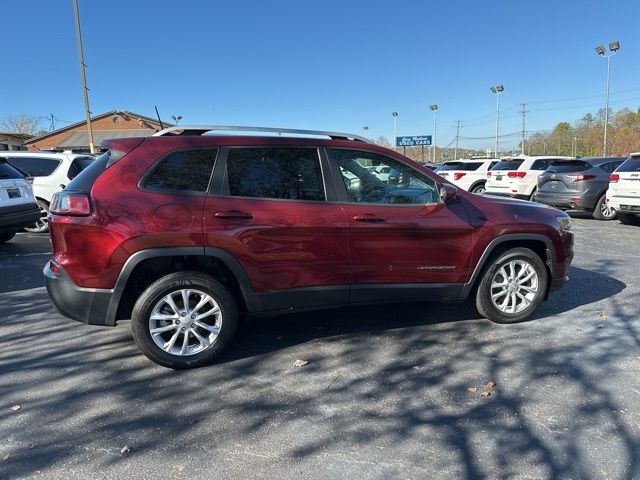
[{"x": 202, "y": 129}]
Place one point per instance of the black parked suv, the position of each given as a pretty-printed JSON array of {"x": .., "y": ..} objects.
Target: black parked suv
[{"x": 579, "y": 184}]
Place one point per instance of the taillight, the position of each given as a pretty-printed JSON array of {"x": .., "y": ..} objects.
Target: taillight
[
  {"x": 488, "y": 174},
  {"x": 614, "y": 177},
  {"x": 69, "y": 203},
  {"x": 458, "y": 175},
  {"x": 517, "y": 174},
  {"x": 581, "y": 177}
]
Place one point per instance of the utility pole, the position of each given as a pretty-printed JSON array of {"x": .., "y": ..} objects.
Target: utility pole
[
  {"x": 52, "y": 125},
  {"x": 455, "y": 153},
  {"x": 85, "y": 90},
  {"x": 523, "y": 112}
]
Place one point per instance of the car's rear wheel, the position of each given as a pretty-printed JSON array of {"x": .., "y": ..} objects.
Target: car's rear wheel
[
  {"x": 184, "y": 320},
  {"x": 479, "y": 189},
  {"x": 512, "y": 287},
  {"x": 5, "y": 237},
  {"x": 603, "y": 211},
  {"x": 532, "y": 197},
  {"x": 42, "y": 224}
]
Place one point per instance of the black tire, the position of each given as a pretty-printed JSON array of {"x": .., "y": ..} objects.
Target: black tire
[
  {"x": 479, "y": 189},
  {"x": 485, "y": 305},
  {"x": 174, "y": 282},
  {"x": 601, "y": 212},
  {"x": 5, "y": 237},
  {"x": 628, "y": 218},
  {"x": 42, "y": 225}
]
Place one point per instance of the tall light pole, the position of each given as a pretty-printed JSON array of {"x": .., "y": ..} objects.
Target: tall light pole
[
  {"x": 497, "y": 89},
  {"x": 434, "y": 109},
  {"x": 176, "y": 118},
  {"x": 85, "y": 90},
  {"x": 395, "y": 128},
  {"x": 600, "y": 50},
  {"x": 365, "y": 128}
]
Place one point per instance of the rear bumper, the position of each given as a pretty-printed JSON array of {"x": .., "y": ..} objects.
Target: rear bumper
[
  {"x": 86, "y": 305},
  {"x": 16, "y": 217},
  {"x": 568, "y": 201}
]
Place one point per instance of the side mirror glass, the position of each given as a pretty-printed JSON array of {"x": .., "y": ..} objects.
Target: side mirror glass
[{"x": 448, "y": 193}]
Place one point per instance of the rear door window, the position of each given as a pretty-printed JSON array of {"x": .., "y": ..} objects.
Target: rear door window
[
  {"x": 274, "y": 173},
  {"x": 184, "y": 171},
  {"x": 36, "y": 166}
]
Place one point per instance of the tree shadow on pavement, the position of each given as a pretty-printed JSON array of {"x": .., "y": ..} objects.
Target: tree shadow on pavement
[{"x": 384, "y": 394}]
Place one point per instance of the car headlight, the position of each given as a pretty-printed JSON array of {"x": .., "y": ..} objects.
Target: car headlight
[{"x": 564, "y": 224}]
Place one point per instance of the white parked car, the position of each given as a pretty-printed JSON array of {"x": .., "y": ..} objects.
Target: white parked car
[
  {"x": 468, "y": 174},
  {"x": 623, "y": 194},
  {"x": 517, "y": 177},
  {"x": 49, "y": 171},
  {"x": 382, "y": 172},
  {"x": 18, "y": 207}
]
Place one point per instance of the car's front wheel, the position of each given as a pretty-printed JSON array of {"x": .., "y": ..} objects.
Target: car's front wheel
[
  {"x": 512, "y": 287},
  {"x": 184, "y": 320}
]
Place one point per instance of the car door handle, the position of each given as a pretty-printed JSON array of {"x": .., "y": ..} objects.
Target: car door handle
[
  {"x": 369, "y": 218},
  {"x": 234, "y": 215}
]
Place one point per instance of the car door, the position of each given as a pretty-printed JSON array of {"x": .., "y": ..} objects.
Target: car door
[
  {"x": 270, "y": 208},
  {"x": 404, "y": 242}
]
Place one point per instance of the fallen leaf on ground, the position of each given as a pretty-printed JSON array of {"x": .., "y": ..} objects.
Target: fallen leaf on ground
[
  {"x": 485, "y": 394},
  {"x": 125, "y": 449},
  {"x": 603, "y": 316},
  {"x": 600, "y": 325},
  {"x": 300, "y": 363},
  {"x": 638, "y": 424},
  {"x": 491, "y": 384},
  {"x": 472, "y": 390},
  {"x": 33, "y": 445},
  {"x": 6, "y": 458},
  {"x": 15, "y": 408}
]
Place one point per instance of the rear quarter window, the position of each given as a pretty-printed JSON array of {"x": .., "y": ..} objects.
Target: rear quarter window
[
  {"x": 540, "y": 164},
  {"x": 36, "y": 166},
  {"x": 182, "y": 171}
]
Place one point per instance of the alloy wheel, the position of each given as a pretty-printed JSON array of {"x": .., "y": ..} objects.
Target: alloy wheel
[
  {"x": 185, "y": 322},
  {"x": 514, "y": 286}
]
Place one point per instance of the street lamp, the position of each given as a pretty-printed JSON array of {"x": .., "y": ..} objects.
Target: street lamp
[
  {"x": 600, "y": 50},
  {"x": 434, "y": 109},
  {"x": 176, "y": 118},
  {"x": 365, "y": 128},
  {"x": 395, "y": 128},
  {"x": 497, "y": 89}
]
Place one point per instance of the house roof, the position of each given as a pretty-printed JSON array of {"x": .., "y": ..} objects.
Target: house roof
[
  {"x": 98, "y": 117},
  {"x": 80, "y": 138},
  {"x": 24, "y": 136}
]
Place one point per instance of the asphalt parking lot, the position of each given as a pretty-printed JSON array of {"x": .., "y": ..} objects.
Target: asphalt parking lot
[{"x": 384, "y": 395}]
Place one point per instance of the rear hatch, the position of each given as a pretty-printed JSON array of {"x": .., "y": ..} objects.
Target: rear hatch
[
  {"x": 14, "y": 187},
  {"x": 498, "y": 178},
  {"x": 624, "y": 183},
  {"x": 566, "y": 176}
]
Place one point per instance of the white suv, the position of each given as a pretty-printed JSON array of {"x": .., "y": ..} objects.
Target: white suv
[
  {"x": 623, "y": 194},
  {"x": 50, "y": 171},
  {"x": 18, "y": 207},
  {"x": 468, "y": 174},
  {"x": 517, "y": 177}
]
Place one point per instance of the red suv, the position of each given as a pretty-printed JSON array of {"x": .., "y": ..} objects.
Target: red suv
[{"x": 184, "y": 231}]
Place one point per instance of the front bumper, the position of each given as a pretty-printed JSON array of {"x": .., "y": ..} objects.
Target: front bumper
[
  {"x": 86, "y": 305},
  {"x": 17, "y": 217}
]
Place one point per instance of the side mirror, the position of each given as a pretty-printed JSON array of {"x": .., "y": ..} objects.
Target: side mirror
[{"x": 448, "y": 193}]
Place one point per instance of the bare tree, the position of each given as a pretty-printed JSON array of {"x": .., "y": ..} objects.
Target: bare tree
[{"x": 22, "y": 123}]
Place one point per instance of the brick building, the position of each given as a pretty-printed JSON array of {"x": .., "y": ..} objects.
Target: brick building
[{"x": 113, "y": 124}]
